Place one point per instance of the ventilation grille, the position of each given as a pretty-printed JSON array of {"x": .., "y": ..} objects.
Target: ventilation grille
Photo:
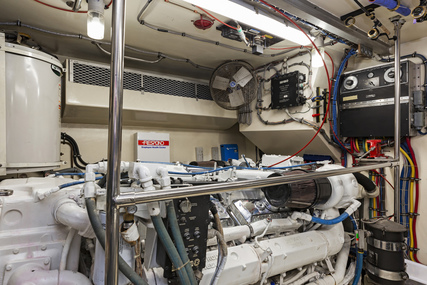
[{"x": 100, "y": 76}]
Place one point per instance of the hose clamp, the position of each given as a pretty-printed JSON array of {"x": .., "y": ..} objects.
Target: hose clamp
[
  {"x": 397, "y": 6},
  {"x": 385, "y": 274},
  {"x": 386, "y": 245}
]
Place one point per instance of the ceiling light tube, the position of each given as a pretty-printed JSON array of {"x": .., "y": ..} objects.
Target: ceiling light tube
[{"x": 247, "y": 15}]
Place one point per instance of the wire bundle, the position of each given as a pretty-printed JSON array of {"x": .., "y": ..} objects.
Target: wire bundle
[{"x": 411, "y": 209}]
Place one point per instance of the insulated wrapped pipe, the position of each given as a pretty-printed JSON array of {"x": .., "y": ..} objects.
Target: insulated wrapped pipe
[{"x": 393, "y": 5}]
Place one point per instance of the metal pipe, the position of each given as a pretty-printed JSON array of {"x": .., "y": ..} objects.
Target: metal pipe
[
  {"x": 115, "y": 141},
  {"x": 398, "y": 22},
  {"x": 128, "y": 199}
]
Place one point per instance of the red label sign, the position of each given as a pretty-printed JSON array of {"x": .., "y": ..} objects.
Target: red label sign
[{"x": 153, "y": 142}]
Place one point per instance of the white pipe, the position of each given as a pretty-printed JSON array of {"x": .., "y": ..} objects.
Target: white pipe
[
  {"x": 306, "y": 278},
  {"x": 35, "y": 274},
  {"x": 66, "y": 249},
  {"x": 349, "y": 275},
  {"x": 340, "y": 266},
  {"x": 241, "y": 233},
  {"x": 244, "y": 265},
  {"x": 295, "y": 277},
  {"x": 70, "y": 214}
]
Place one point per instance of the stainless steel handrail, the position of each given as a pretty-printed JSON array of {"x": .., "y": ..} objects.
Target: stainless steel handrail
[
  {"x": 133, "y": 198},
  {"x": 114, "y": 142}
]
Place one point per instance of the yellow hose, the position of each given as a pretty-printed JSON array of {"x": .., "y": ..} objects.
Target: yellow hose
[
  {"x": 357, "y": 145},
  {"x": 366, "y": 146},
  {"x": 411, "y": 201}
]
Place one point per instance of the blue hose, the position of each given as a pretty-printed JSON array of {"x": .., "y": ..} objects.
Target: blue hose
[
  {"x": 199, "y": 173},
  {"x": 75, "y": 183},
  {"x": 335, "y": 94},
  {"x": 392, "y": 4},
  {"x": 61, "y": 174},
  {"x": 359, "y": 267},
  {"x": 291, "y": 166},
  {"x": 334, "y": 221}
]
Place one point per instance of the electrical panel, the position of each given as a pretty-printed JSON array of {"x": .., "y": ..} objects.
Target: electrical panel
[
  {"x": 257, "y": 39},
  {"x": 366, "y": 101},
  {"x": 287, "y": 90},
  {"x": 193, "y": 220}
]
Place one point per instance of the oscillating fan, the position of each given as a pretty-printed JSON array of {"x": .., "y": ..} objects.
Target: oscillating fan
[{"x": 233, "y": 85}]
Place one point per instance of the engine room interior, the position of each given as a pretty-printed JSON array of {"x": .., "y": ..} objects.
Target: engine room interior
[{"x": 229, "y": 142}]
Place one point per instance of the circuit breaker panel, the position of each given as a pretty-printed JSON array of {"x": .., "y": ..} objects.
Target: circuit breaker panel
[
  {"x": 366, "y": 101},
  {"x": 287, "y": 90}
]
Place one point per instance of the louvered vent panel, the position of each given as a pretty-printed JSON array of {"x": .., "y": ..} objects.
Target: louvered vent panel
[{"x": 100, "y": 76}]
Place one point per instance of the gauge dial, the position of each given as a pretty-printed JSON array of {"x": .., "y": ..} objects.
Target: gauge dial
[
  {"x": 389, "y": 75},
  {"x": 350, "y": 82}
]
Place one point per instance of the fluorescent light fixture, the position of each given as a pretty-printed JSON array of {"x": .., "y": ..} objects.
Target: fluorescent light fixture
[
  {"x": 317, "y": 60},
  {"x": 95, "y": 19},
  {"x": 246, "y": 15}
]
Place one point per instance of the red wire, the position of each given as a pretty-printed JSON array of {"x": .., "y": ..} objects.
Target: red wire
[
  {"x": 417, "y": 192},
  {"x": 212, "y": 16},
  {"x": 327, "y": 74},
  {"x": 383, "y": 178},
  {"x": 333, "y": 65},
  {"x": 59, "y": 8}
]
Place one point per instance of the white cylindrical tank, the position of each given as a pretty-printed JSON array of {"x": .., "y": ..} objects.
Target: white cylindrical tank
[{"x": 33, "y": 110}]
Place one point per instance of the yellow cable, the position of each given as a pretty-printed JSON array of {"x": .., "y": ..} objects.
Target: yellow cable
[
  {"x": 366, "y": 146},
  {"x": 357, "y": 145},
  {"x": 411, "y": 201}
]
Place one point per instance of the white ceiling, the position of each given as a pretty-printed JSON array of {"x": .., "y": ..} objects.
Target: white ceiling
[{"x": 166, "y": 15}]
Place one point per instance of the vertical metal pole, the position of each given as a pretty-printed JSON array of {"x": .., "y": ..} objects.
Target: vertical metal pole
[
  {"x": 398, "y": 22},
  {"x": 114, "y": 142}
]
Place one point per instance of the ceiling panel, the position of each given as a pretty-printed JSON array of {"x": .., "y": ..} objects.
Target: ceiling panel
[{"x": 168, "y": 16}]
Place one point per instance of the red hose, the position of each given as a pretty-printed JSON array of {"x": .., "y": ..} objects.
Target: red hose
[{"x": 417, "y": 192}]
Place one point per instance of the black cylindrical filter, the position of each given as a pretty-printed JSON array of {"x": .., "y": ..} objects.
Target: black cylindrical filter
[
  {"x": 386, "y": 245},
  {"x": 299, "y": 195}
]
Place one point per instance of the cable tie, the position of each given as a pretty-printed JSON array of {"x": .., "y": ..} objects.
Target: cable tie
[
  {"x": 413, "y": 249},
  {"x": 18, "y": 23},
  {"x": 183, "y": 34},
  {"x": 181, "y": 267},
  {"x": 417, "y": 179}
]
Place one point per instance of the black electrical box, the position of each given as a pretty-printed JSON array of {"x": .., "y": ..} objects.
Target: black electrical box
[
  {"x": 287, "y": 90},
  {"x": 193, "y": 220},
  {"x": 366, "y": 101}
]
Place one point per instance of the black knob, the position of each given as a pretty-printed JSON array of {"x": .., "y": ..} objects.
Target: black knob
[
  {"x": 187, "y": 235},
  {"x": 195, "y": 249}
]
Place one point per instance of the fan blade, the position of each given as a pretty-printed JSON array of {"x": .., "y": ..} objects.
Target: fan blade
[
  {"x": 236, "y": 98},
  {"x": 243, "y": 76},
  {"x": 220, "y": 83}
]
